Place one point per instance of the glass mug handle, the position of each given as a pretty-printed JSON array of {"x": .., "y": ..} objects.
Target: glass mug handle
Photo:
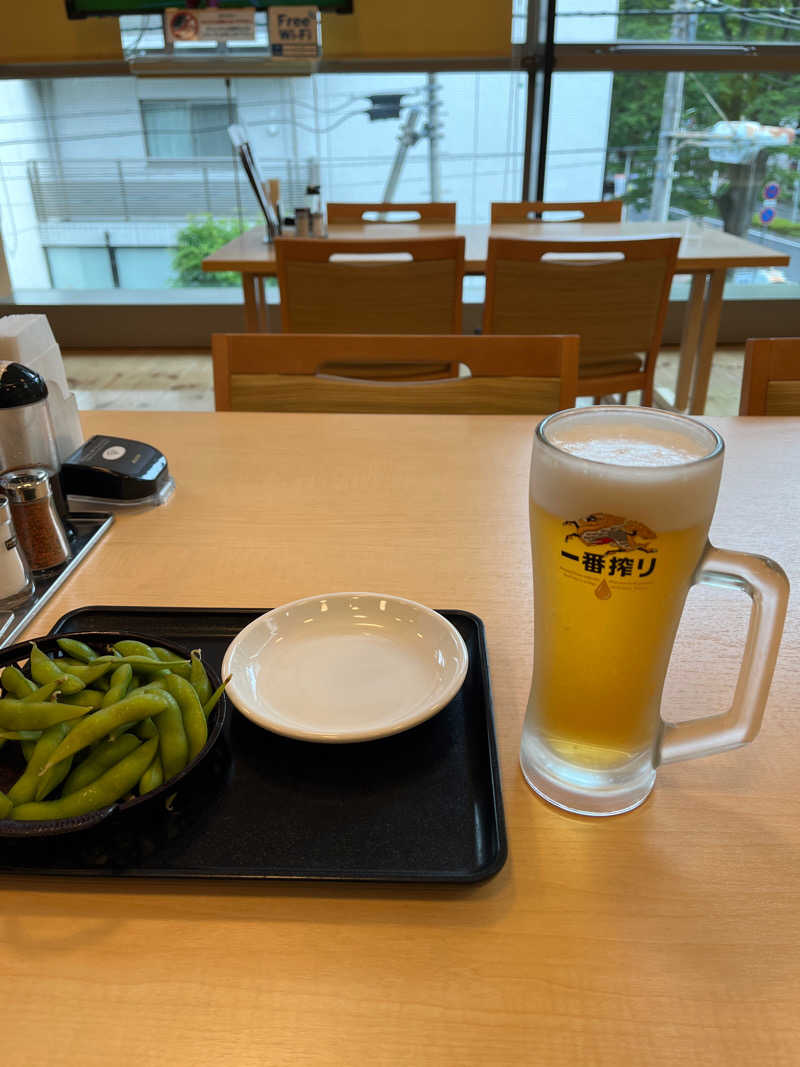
[{"x": 768, "y": 588}]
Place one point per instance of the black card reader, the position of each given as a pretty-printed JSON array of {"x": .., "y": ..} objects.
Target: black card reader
[{"x": 117, "y": 470}]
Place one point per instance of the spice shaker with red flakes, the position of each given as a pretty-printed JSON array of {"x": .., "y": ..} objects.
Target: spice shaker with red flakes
[{"x": 36, "y": 521}]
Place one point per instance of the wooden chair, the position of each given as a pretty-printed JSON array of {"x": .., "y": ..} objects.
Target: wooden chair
[
  {"x": 416, "y": 289},
  {"x": 353, "y": 214},
  {"x": 613, "y": 293},
  {"x": 532, "y": 210},
  {"x": 771, "y": 382},
  {"x": 280, "y": 372}
]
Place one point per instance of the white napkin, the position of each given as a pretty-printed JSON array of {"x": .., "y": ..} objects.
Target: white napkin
[{"x": 28, "y": 339}]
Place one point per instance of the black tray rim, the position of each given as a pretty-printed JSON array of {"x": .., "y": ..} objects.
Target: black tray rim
[{"x": 479, "y": 875}]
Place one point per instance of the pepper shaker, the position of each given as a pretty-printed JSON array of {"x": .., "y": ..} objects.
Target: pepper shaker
[
  {"x": 16, "y": 585},
  {"x": 39, "y": 530}
]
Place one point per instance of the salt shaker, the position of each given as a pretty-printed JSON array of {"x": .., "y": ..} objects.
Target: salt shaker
[
  {"x": 16, "y": 585},
  {"x": 39, "y": 531}
]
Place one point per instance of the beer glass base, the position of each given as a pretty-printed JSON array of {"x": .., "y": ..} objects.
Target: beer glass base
[{"x": 587, "y": 792}]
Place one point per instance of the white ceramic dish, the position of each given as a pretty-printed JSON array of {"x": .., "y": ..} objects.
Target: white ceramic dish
[{"x": 345, "y": 667}]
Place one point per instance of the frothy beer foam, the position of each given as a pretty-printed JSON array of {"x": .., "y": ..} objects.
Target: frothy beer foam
[
  {"x": 640, "y": 465},
  {"x": 649, "y": 448}
]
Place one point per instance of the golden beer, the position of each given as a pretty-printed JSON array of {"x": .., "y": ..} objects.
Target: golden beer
[
  {"x": 603, "y": 649},
  {"x": 620, "y": 505}
]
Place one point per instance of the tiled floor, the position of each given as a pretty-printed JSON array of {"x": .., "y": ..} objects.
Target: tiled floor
[{"x": 182, "y": 381}]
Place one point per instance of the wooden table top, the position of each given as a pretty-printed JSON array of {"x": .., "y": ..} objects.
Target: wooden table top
[
  {"x": 709, "y": 250},
  {"x": 668, "y": 935}
]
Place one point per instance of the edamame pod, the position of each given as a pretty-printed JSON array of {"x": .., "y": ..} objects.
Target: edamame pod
[
  {"x": 28, "y": 747},
  {"x": 5, "y": 805},
  {"x": 92, "y": 672},
  {"x": 146, "y": 729},
  {"x": 152, "y": 778},
  {"x": 194, "y": 720},
  {"x": 173, "y": 744},
  {"x": 44, "y": 692},
  {"x": 24, "y": 789},
  {"x": 105, "y": 790},
  {"x": 87, "y": 698},
  {"x": 54, "y": 777},
  {"x": 14, "y": 682},
  {"x": 98, "y": 724},
  {"x": 135, "y": 648},
  {"x": 76, "y": 649},
  {"x": 17, "y": 715},
  {"x": 199, "y": 678},
  {"x": 103, "y": 757},
  {"x": 145, "y": 665},
  {"x": 20, "y": 735},
  {"x": 44, "y": 670},
  {"x": 163, "y": 653},
  {"x": 213, "y": 700},
  {"x": 120, "y": 684}
]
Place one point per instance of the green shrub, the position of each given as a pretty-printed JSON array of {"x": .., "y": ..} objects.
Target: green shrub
[{"x": 202, "y": 235}]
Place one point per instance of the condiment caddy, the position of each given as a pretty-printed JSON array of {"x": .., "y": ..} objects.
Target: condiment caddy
[{"x": 87, "y": 529}]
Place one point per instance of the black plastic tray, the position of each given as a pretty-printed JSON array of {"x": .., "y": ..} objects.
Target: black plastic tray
[{"x": 421, "y": 806}]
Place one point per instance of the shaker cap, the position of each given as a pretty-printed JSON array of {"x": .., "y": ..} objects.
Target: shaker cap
[
  {"x": 27, "y": 484},
  {"x": 19, "y": 385}
]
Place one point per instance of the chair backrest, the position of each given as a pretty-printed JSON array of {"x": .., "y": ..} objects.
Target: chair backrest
[
  {"x": 771, "y": 381},
  {"x": 342, "y": 214},
  {"x": 509, "y": 375},
  {"x": 613, "y": 293},
  {"x": 583, "y": 211},
  {"x": 339, "y": 286}
]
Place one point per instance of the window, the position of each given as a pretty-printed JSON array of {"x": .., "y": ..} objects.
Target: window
[
  {"x": 689, "y": 122},
  {"x": 144, "y": 268},
  {"x": 183, "y": 129},
  {"x": 110, "y": 268},
  {"x": 78, "y": 175},
  {"x": 726, "y": 22},
  {"x": 80, "y": 268}
]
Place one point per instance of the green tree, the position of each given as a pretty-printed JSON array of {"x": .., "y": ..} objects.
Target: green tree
[
  {"x": 201, "y": 236},
  {"x": 637, "y": 99}
]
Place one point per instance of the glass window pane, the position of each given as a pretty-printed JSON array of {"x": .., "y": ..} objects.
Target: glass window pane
[
  {"x": 80, "y": 268},
  {"x": 144, "y": 268},
  {"x": 665, "y": 145},
  {"x": 210, "y": 129},
  {"x": 731, "y": 22},
  {"x": 167, "y": 129},
  {"x": 146, "y": 164}
]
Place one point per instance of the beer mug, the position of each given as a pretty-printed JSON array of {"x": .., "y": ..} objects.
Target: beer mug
[{"x": 621, "y": 500}]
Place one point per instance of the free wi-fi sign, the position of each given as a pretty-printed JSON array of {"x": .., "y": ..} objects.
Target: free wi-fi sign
[{"x": 294, "y": 32}]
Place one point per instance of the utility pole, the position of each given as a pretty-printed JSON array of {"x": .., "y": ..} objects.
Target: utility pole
[
  {"x": 432, "y": 129},
  {"x": 407, "y": 139},
  {"x": 409, "y": 135},
  {"x": 684, "y": 28}
]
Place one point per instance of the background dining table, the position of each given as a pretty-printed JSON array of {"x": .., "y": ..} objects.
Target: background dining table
[
  {"x": 705, "y": 253},
  {"x": 667, "y": 935}
]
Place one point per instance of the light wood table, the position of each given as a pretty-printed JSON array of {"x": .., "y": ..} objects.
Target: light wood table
[
  {"x": 706, "y": 256},
  {"x": 668, "y": 935}
]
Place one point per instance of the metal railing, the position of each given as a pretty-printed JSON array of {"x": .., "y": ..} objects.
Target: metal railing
[{"x": 136, "y": 190}]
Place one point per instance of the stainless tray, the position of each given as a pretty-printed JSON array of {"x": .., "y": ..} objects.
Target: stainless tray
[{"x": 89, "y": 528}]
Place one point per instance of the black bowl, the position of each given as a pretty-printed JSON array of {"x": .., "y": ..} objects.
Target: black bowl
[{"x": 19, "y": 654}]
